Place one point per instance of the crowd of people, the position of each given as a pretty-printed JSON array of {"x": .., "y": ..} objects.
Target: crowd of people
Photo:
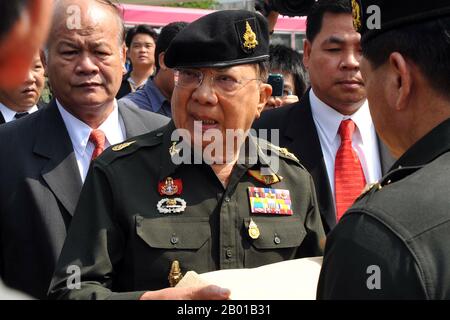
[{"x": 153, "y": 146}]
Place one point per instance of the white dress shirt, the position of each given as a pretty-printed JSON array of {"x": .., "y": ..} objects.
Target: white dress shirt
[
  {"x": 9, "y": 114},
  {"x": 79, "y": 133},
  {"x": 364, "y": 141}
]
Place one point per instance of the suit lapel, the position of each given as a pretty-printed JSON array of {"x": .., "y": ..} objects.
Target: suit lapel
[
  {"x": 133, "y": 124},
  {"x": 304, "y": 142},
  {"x": 2, "y": 120},
  {"x": 61, "y": 170}
]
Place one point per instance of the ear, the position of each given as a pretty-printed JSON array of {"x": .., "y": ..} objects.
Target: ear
[
  {"x": 265, "y": 91},
  {"x": 162, "y": 64},
  {"x": 123, "y": 53},
  {"x": 401, "y": 81},
  {"x": 44, "y": 61},
  {"x": 306, "y": 52}
]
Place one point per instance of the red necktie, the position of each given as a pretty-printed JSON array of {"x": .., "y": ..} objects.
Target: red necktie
[
  {"x": 97, "y": 137},
  {"x": 349, "y": 180}
]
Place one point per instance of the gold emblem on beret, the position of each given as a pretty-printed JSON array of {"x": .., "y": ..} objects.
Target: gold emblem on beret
[
  {"x": 356, "y": 12},
  {"x": 250, "y": 41},
  {"x": 123, "y": 145}
]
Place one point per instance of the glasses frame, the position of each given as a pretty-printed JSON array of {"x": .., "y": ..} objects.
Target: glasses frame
[{"x": 242, "y": 82}]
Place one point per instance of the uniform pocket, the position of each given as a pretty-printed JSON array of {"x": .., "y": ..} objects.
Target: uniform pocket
[
  {"x": 174, "y": 233},
  {"x": 161, "y": 241},
  {"x": 280, "y": 239}
]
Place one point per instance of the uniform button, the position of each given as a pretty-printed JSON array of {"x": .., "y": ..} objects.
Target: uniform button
[
  {"x": 159, "y": 134},
  {"x": 174, "y": 240},
  {"x": 227, "y": 199},
  {"x": 229, "y": 253},
  {"x": 277, "y": 240}
]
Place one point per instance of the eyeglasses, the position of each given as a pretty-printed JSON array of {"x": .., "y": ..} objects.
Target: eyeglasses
[{"x": 223, "y": 84}]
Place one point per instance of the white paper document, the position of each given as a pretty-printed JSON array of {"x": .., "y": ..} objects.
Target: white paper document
[{"x": 288, "y": 280}]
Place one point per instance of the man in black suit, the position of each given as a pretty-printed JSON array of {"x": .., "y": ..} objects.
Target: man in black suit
[
  {"x": 23, "y": 26},
  {"x": 22, "y": 100},
  {"x": 48, "y": 153},
  {"x": 310, "y": 128}
]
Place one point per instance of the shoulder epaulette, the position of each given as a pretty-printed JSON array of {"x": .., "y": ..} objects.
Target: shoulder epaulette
[
  {"x": 130, "y": 146},
  {"x": 284, "y": 152},
  {"x": 393, "y": 176}
]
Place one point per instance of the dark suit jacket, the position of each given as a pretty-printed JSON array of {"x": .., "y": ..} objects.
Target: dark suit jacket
[
  {"x": 299, "y": 135},
  {"x": 39, "y": 189},
  {"x": 40, "y": 105}
]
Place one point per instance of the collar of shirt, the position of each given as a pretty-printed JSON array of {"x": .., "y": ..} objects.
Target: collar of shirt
[
  {"x": 133, "y": 84},
  {"x": 329, "y": 120},
  {"x": 150, "y": 98},
  {"x": 9, "y": 114},
  {"x": 79, "y": 131},
  {"x": 154, "y": 95}
]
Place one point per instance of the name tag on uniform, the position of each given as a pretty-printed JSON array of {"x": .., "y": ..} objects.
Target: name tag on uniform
[{"x": 270, "y": 201}]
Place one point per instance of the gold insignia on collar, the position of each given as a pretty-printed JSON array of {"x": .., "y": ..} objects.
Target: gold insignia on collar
[
  {"x": 356, "y": 12},
  {"x": 266, "y": 179},
  {"x": 123, "y": 145},
  {"x": 369, "y": 187},
  {"x": 286, "y": 153},
  {"x": 250, "y": 41},
  {"x": 173, "y": 150}
]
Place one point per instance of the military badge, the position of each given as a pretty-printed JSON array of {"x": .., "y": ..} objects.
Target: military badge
[
  {"x": 356, "y": 12},
  {"x": 253, "y": 230},
  {"x": 270, "y": 201},
  {"x": 250, "y": 41},
  {"x": 266, "y": 179},
  {"x": 173, "y": 205},
  {"x": 170, "y": 187},
  {"x": 175, "y": 274},
  {"x": 123, "y": 145},
  {"x": 246, "y": 31},
  {"x": 173, "y": 149}
]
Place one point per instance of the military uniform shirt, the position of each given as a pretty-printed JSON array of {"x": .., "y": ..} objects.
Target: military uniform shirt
[
  {"x": 124, "y": 246},
  {"x": 394, "y": 243}
]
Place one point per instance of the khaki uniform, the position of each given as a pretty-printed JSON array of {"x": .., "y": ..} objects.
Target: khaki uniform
[{"x": 123, "y": 243}]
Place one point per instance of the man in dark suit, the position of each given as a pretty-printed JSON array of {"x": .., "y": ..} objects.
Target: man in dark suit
[
  {"x": 22, "y": 100},
  {"x": 23, "y": 27},
  {"x": 48, "y": 153},
  {"x": 310, "y": 128}
]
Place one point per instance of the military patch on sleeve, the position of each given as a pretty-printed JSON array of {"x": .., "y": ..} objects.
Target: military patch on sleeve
[{"x": 122, "y": 146}]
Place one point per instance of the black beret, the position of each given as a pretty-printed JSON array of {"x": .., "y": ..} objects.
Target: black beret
[
  {"x": 373, "y": 17},
  {"x": 220, "y": 39}
]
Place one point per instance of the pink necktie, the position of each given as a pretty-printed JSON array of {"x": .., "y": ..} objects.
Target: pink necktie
[{"x": 97, "y": 137}]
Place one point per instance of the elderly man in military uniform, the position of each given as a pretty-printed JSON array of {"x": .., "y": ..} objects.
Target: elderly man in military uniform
[
  {"x": 394, "y": 243},
  {"x": 143, "y": 212}
]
